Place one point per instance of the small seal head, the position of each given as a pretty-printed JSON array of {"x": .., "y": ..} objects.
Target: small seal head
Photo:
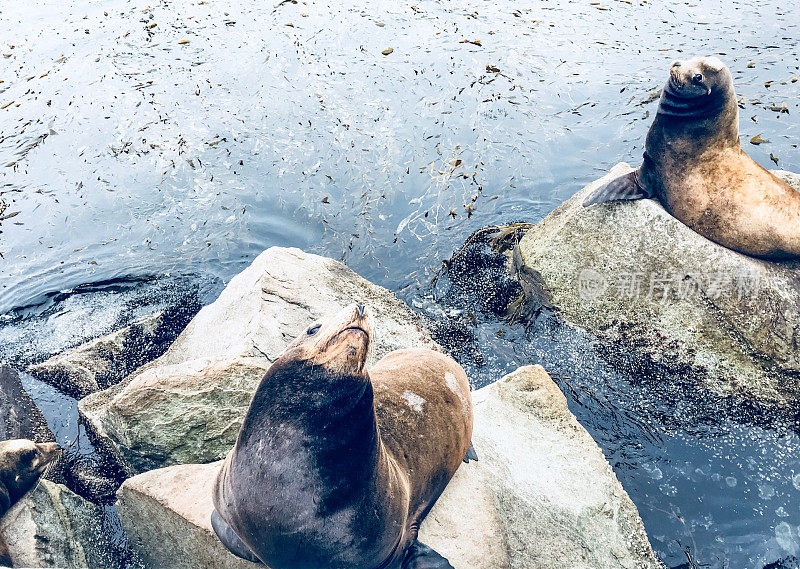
[
  {"x": 22, "y": 463},
  {"x": 698, "y": 77}
]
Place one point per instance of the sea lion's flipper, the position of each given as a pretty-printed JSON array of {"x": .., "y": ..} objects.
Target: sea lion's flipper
[
  {"x": 420, "y": 556},
  {"x": 471, "y": 454},
  {"x": 627, "y": 187},
  {"x": 230, "y": 540}
]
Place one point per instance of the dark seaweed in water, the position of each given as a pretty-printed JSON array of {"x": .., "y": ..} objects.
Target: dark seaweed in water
[
  {"x": 95, "y": 476},
  {"x": 57, "y": 321},
  {"x": 477, "y": 274},
  {"x": 786, "y": 563}
]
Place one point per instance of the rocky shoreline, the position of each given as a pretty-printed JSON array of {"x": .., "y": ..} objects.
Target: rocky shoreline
[{"x": 541, "y": 495}]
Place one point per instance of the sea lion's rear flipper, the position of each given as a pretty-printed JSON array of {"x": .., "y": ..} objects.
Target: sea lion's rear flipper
[
  {"x": 230, "y": 540},
  {"x": 627, "y": 187},
  {"x": 471, "y": 454},
  {"x": 420, "y": 556}
]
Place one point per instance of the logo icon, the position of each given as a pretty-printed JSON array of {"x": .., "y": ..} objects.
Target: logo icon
[{"x": 591, "y": 284}]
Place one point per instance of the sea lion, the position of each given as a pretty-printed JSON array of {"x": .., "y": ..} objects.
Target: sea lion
[
  {"x": 336, "y": 467},
  {"x": 695, "y": 166},
  {"x": 22, "y": 463}
]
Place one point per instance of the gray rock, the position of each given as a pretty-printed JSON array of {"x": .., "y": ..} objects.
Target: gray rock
[
  {"x": 632, "y": 274},
  {"x": 52, "y": 527},
  {"x": 541, "y": 496},
  {"x": 104, "y": 361},
  {"x": 20, "y": 418},
  {"x": 187, "y": 405}
]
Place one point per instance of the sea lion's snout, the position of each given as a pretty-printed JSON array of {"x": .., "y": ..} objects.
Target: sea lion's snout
[
  {"x": 30, "y": 459},
  {"x": 47, "y": 453}
]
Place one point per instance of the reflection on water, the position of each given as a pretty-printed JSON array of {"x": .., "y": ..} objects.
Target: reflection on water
[{"x": 147, "y": 137}]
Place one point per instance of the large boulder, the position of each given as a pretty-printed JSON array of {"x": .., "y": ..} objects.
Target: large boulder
[
  {"x": 52, "y": 527},
  {"x": 635, "y": 276},
  {"x": 187, "y": 405},
  {"x": 104, "y": 361},
  {"x": 541, "y": 496}
]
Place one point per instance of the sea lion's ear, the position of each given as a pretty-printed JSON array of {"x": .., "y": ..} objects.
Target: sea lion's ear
[{"x": 625, "y": 187}]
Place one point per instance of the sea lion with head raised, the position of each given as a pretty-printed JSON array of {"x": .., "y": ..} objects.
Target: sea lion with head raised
[
  {"x": 336, "y": 467},
  {"x": 22, "y": 463},
  {"x": 695, "y": 166}
]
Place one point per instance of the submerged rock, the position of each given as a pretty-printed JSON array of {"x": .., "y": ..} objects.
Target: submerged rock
[
  {"x": 104, "y": 361},
  {"x": 634, "y": 275},
  {"x": 52, "y": 527},
  {"x": 541, "y": 495},
  {"x": 187, "y": 405},
  {"x": 20, "y": 418}
]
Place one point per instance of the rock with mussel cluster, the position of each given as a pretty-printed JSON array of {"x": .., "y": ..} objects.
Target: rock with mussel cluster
[{"x": 639, "y": 279}]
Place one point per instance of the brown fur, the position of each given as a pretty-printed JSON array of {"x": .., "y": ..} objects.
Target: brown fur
[
  {"x": 702, "y": 176},
  {"x": 427, "y": 437}
]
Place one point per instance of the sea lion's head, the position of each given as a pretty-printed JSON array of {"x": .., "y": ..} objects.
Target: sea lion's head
[
  {"x": 699, "y": 77},
  {"x": 22, "y": 462},
  {"x": 338, "y": 342},
  {"x": 699, "y": 99}
]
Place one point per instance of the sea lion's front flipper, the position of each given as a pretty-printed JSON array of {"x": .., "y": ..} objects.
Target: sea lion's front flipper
[
  {"x": 230, "y": 540},
  {"x": 627, "y": 187},
  {"x": 471, "y": 454},
  {"x": 420, "y": 556}
]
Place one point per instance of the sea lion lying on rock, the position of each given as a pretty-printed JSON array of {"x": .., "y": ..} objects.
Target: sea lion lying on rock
[
  {"x": 695, "y": 166},
  {"x": 336, "y": 467},
  {"x": 22, "y": 463}
]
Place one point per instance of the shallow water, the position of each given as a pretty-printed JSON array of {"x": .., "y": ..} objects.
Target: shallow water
[{"x": 130, "y": 154}]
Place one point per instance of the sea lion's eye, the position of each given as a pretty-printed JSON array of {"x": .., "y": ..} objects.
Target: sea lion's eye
[
  {"x": 28, "y": 455},
  {"x": 314, "y": 329},
  {"x": 697, "y": 79}
]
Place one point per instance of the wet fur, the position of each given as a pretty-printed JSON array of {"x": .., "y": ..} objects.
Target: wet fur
[
  {"x": 335, "y": 467},
  {"x": 695, "y": 166}
]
